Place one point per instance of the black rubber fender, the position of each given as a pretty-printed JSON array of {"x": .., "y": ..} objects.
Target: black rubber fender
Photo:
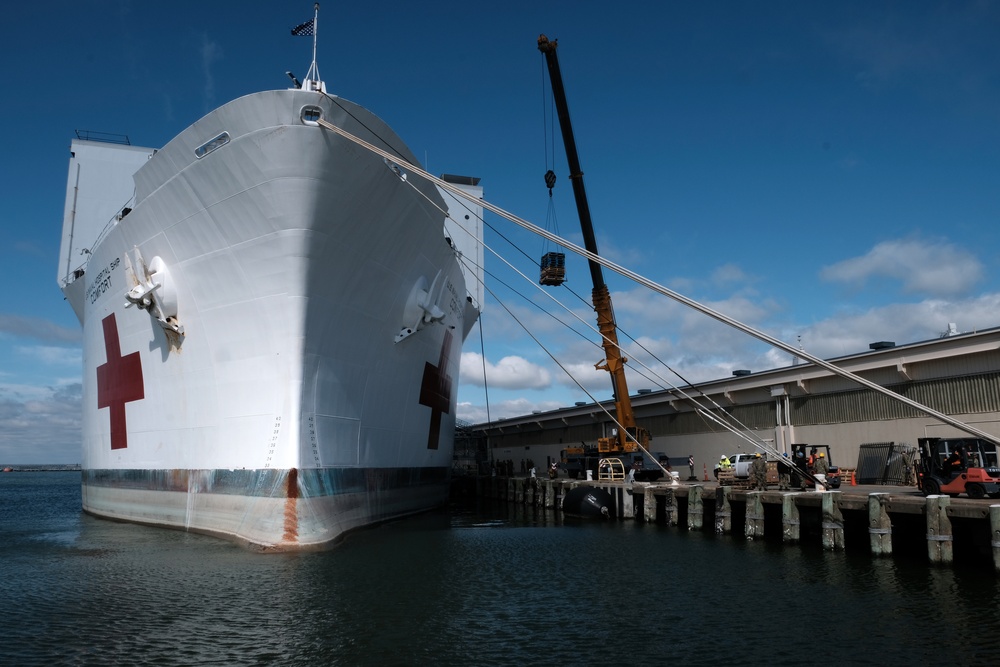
[{"x": 588, "y": 502}]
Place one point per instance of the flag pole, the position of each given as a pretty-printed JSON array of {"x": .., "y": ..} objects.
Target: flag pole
[
  {"x": 311, "y": 27},
  {"x": 315, "y": 37}
]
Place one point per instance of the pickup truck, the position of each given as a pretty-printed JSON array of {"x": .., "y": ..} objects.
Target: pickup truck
[{"x": 740, "y": 465}]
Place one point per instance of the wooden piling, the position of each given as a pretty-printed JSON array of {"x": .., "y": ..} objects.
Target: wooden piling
[
  {"x": 723, "y": 511},
  {"x": 696, "y": 508},
  {"x": 879, "y": 524},
  {"x": 939, "y": 536},
  {"x": 790, "y": 526},
  {"x": 755, "y": 516},
  {"x": 833, "y": 521}
]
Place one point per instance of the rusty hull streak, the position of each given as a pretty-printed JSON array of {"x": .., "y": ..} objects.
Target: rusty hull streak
[{"x": 291, "y": 532}]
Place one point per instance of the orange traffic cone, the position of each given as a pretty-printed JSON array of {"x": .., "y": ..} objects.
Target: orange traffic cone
[
  {"x": 705, "y": 466},
  {"x": 854, "y": 482}
]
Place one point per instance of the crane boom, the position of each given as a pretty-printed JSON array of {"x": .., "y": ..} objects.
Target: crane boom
[{"x": 613, "y": 362}]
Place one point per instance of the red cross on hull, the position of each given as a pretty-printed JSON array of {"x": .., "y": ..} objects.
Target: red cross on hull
[
  {"x": 435, "y": 391},
  {"x": 119, "y": 381}
]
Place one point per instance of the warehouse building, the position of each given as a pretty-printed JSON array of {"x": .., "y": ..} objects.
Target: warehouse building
[{"x": 958, "y": 375}]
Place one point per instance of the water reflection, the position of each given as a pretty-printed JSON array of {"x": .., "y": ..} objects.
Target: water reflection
[{"x": 478, "y": 584}]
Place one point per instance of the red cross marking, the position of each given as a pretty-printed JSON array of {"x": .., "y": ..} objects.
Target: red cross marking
[
  {"x": 435, "y": 391},
  {"x": 119, "y": 381}
]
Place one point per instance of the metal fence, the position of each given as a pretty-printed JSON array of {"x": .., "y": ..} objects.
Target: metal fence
[{"x": 885, "y": 463}]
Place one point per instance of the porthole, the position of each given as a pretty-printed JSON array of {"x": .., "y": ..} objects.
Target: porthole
[
  {"x": 209, "y": 146},
  {"x": 311, "y": 114}
]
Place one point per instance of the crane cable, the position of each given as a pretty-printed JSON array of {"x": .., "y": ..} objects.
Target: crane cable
[
  {"x": 748, "y": 436},
  {"x": 665, "y": 291}
]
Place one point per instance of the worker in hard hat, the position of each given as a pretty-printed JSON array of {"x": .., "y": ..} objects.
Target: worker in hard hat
[
  {"x": 724, "y": 464},
  {"x": 822, "y": 467}
]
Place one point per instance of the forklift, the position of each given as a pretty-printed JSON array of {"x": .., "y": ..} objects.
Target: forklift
[
  {"x": 959, "y": 465},
  {"x": 803, "y": 460}
]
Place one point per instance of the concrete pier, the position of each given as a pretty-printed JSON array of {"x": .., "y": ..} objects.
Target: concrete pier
[
  {"x": 939, "y": 536},
  {"x": 789, "y": 518},
  {"x": 879, "y": 525},
  {"x": 696, "y": 509},
  {"x": 869, "y": 518},
  {"x": 755, "y": 515},
  {"x": 995, "y": 534},
  {"x": 723, "y": 510},
  {"x": 833, "y": 521}
]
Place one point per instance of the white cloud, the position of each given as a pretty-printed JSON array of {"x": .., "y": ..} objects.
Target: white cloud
[
  {"x": 677, "y": 338},
  {"x": 40, "y": 424},
  {"x": 934, "y": 268},
  {"x": 596, "y": 382},
  {"x": 701, "y": 349},
  {"x": 728, "y": 274},
  {"x": 47, "y": 354},
  {"x": 511, "y": 372},
  {"x": 901, "y": 323},
  {"x": 477, "y": 414},
  {"x": 38, "y": 328}
]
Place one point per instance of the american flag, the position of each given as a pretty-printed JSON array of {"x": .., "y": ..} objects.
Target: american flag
[{"x": 305, "y": 29}]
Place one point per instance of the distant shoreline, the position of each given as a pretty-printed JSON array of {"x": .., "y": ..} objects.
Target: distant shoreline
[{"x": 41, "y": 467}]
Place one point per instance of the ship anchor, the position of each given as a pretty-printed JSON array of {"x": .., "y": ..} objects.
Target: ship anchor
[
  {"x": 152, "y": 292},
  {"x": 421, "y": 307}
]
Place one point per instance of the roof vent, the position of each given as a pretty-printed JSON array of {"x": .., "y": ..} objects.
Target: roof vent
[
  {"x": 645, "y": 391},
  {"x": 881, "y": 345},
  {"x": 742, "y": 373},
  {"x": 580, "y": 403}
]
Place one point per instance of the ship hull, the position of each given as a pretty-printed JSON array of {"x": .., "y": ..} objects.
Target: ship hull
[
  {"x": 292, "y": 511},
  {"x": 262, "y": 389}
]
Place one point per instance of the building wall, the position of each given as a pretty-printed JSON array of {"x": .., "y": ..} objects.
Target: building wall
[
  {"x": 844, "y": 420},
  {"x": 796, "y": 405}
]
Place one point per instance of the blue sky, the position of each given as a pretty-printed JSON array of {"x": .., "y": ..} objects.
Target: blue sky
[{"x": 824, "y": 171}]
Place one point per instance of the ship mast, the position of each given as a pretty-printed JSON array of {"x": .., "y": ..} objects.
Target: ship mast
[
  {"x": 310, "y": 29},
  {"x": 614, "y": 362}
]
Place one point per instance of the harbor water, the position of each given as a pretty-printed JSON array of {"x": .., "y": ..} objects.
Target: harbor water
[{"x": 470, "y": 585}]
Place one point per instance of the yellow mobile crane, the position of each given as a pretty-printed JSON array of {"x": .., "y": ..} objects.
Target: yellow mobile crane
[{"x": 631, "y": 437}]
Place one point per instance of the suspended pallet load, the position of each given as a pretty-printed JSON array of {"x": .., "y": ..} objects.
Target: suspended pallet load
[
  {"x": 553, "y": 269},
  {"x": 553, "y": 264}
]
